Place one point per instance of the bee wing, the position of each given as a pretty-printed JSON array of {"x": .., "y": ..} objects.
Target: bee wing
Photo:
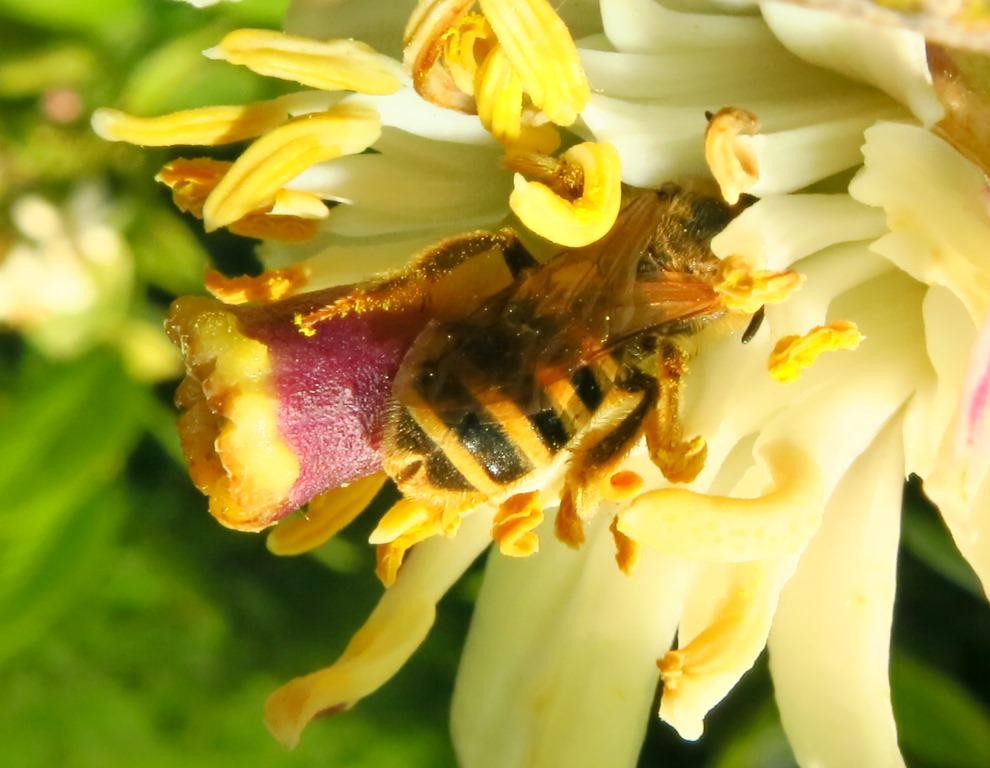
[{"x": 505, "y": 357}]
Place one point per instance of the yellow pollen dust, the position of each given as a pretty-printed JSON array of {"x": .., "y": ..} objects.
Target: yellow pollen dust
[
  {"x": 730, "y": 153},
  {"x": 793, "y": 354},
  {"x": 326, "y": 515},
  {"x": 335, "y": 65},
  {"x": 269, "y": 286},
  {"x": 547, "y": 204},
  {"x": 208, "y": 126},
  {"x": 514, "y": 522},
  {"x": 746, "y": 290}
]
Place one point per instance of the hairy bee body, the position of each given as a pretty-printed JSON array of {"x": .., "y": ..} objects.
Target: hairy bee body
[{"x": 574, "y": 361}]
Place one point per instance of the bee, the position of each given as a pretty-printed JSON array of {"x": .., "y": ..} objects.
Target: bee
[{"x": 569, "y": 362}]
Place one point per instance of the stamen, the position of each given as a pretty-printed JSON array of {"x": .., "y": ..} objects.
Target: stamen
[
  {"x": 336, "y": 65},
  {"x": 722, "y": 529},
  {"x": 514, "y": 522},
  {"x": 425, "y": 39},
  {"x": 326, "y": 515},
  {"x": 730, "y": 153},
  {"x": 793, "y": 354},
  {"x": 464, "y": 45},
  {"x": 626, "y": 550},
  {"x": 278, "y": 157},
  {"x": 747, "y": 290},
  {"x": 573, "y": 222},
  {"x": 499, "y": 97},
  {"x": 404, "y": 516},
  {"x": 208, "y": 126},
  {"x": 192, "y": 181},
  {"x": 699, "y": 674},
  {"x": 543, "y": 54},
  {"x": 395, "y": 629},
  {"x": 269, "y": 286}
]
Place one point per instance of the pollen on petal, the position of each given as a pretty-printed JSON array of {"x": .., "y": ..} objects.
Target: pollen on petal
[
  {"x": 746, "y": 290},
  {"x": 335, "y": 65},
  {"x": 779, "y": 521},
  {"x": 543, "y": 54},
  {"x": 573, "y": 221},
  {"x": 730, "y": 153},
  {"x": 793, "y": 354},
  {"x": 208, "y": 126},
  {"x": 269, "y": 286},
  {"x": 281, "y": 155},
  {"x": 626, "y": 550},
  {"x": 514, "y": 522},
  {"x": 326, "y": 515}
]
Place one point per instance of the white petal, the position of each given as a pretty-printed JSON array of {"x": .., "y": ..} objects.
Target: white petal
[
  {"x": 936, "y": 206},
  {"x": 890, "y": 58},
  {"x": 559, "y": 667},
  {"x": 830, "y": 639},
  {"x": 645, "y": 25}
]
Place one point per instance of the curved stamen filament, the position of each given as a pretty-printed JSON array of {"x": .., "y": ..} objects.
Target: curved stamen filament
[{"x": 730, "y": 153}]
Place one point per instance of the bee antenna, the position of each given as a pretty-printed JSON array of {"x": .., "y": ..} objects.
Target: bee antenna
[{"x": 754, "y": 325}]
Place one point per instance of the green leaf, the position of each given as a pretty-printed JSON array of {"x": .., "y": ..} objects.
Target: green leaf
[
  {"x": 939, "y": 723},
  {"x": 62, "y": 444},
  {"x": 925, "y": 537},
  {"x": 166, "y": 253},
  {"x": 100, "y": 19}
]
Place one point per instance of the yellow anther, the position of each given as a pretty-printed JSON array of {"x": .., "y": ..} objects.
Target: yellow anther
[
  {"x": 626, "y": 550},
  {"x": 403, "y": 516},
  {"x": 424, "y": 40},
  {"x": 573, "y": 221},
  {"x": 730, "y": 153},
  {"x": 514, "y": 522},
  {"x": 465, "y": 45},
  {"x": 335, "y": 65},
  {"x": 208, "y": 126},
  {"x": 326, "y": 515},
  {"x": 191, "y": 181},
  {"x": 499, "y": 97},
  {"x": 300, "y": 204},
  {"x": 793, "y": 354},
  {"x": 779, "y": 521},
  {"x": 543, "y": 54},
  {"x": 269, "y": 286},
  {"x": 278, "y": 157},
  {"x": 746, "y": 290}
]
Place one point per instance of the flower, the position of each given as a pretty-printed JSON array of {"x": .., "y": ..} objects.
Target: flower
[{"x": 787, "y": 536}]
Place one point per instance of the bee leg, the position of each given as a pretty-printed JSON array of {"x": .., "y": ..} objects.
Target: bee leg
[
  {"x": 595, "y": 458},
  {"x": 680, "y": 460}
]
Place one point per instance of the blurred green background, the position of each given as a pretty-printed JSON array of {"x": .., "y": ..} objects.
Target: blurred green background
[{"x": 136, "y": 631}]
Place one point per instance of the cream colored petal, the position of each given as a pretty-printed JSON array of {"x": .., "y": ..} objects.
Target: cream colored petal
[
  {"x": 391, "y": 634},
  {"x": 936, "y": 206},
  {"x": 830, "y": 640},
  {"x": 890, "y": 58},
  {"x": 559, "y": 667},
  {"x": 646, "y": 25},
  {"x": 723, "y": 631},
  {"x": 780, "y": 230}
]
